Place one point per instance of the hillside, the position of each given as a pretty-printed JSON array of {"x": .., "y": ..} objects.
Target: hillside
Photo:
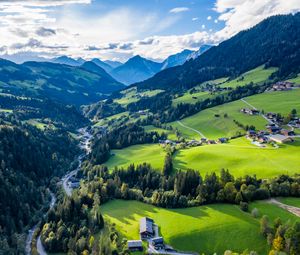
[
  {"x": 274, "y": 42},
  {"x": 67, "y": 84},
  {"x": 177, "y": 59}
]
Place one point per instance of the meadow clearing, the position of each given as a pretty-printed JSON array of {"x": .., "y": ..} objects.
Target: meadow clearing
[
  {"x": 137, "y": 154},
  {"x": 241, "y": 158},
  {"x": 203, "y": 229}
]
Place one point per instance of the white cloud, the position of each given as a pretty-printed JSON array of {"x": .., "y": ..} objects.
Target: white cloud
[
  {"x": 243, "y": 14},
  {"x": 203, "y": 26},
  {"x": 209, "y": 18},
  {"x": 195, "y": 19},
  {"x": 179, "y": 9}
]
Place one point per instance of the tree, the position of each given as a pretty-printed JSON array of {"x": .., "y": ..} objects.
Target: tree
[
  {"x": 264, "y": 226},
  {"x": 168, "y": 165}
]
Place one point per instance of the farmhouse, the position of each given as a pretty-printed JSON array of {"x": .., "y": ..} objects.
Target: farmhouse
[
  {"x": 273, "y": 129},
  {"x": 158, "y": 243},
  {"x": 281, "y": 138},
  {"x": 222, "y": 140},
  {"x": 287, "y": 132},
  {"x": 146, "y": 228},
  {"x": 282, "y": 86},
  {"x": 250, "y": 111},
  {"x": 135, "y": 245}
]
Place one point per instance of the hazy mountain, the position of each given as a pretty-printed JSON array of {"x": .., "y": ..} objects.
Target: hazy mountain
[
  {"x": 136, "y": 69},
  {"x": 177, "y": 59},
  {"x": 273, "y": 42},
  {"x": 113, "y": 64},
  {"x": 108, "y": 68},
  {"x": 67, "y": 84},
  {"x": 64, "y": 60}
]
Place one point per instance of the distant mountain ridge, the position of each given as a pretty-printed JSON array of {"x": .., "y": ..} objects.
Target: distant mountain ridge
[
  {"x": 59, "y": 82},
  {"x": 177, "y": 59}
]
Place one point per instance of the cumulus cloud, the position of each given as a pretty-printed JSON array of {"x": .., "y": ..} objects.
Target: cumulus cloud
[
  {"x": 45, "y": 32},
  {"x": 243, "y": 14},
  {"x": 179, "y": 9},
  {"x": 209, "y": 18}
]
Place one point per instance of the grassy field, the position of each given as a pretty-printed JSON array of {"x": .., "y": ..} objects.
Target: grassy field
[
  {"x": 137, "y": 154},
  {"x": 170, "y": 133},
  {"x": 6, "y": 110},
  {"x": 209, "y": 229},
  {"x": 188, "y": 98},
  {"x": 215, "y": 127},
  {"x": 296, "y": 80},
  {"x": 280, "y": 102},
  {"x": 257, "y": 75},
  {"x": 293, "y": 201},
  {"x": 131, "y": 95},
  {"x": 241, "y": 158}
]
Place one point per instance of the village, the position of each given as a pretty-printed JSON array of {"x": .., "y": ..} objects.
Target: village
[{"x": 149, "y": 232}]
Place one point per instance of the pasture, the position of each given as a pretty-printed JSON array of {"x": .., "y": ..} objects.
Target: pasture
[
  {"x": 207, "y": 229},
  {"x": 137, "y": 154},
  {"x": 241, "y": 158},
  {"x": 256, "y": 76},
  {"x": 218, "y": 121}
]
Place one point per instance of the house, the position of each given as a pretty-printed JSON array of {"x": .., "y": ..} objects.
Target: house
[
  {"x": 287, "y": 132},
  {"x": 135, "y": 245},
  {"x": 157, "y": 243},
  {"x": 281, "y": 138},
  {"x": 211, "y": 142},
  {"x": 222, "y": 140},
  {"x": 273, "y": 129},
  {"x": 250, "y": 111},
  {"x": 146, "y": 228},
  {"x": 251, "y": 133}
]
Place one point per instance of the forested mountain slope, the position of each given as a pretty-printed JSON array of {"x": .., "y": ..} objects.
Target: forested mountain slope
[
  {"x": 274, "y": 42},
  {"x": 67, "y": 84}
]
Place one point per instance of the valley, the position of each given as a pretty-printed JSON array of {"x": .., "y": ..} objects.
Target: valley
[{"x": 195, "y": 153}]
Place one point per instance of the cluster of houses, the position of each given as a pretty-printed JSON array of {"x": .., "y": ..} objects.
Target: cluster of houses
[
  {"x": 282, "y": 86},
  {"x": 295, "y": 122},
  {"x": 148, "y": 232},
  {"x": 193, "y": 143},
  {"x": 274, "y": 133}
]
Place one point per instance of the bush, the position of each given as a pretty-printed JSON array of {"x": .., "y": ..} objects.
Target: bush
[
  {"x": 244, "y": 206},
  {"x": 255, "y": 213}
]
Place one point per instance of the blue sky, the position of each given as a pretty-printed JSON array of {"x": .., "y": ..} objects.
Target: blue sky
[{"x": 120, "y": 29}]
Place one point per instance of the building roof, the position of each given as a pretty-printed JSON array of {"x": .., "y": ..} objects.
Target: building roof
[
  {"x": 280, "y": 138},
  {"x": 146, "y": 225},
  {"x": 134, "y": 243}
]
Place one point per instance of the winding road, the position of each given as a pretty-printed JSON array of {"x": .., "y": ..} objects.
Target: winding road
[
  {"x": 187, "y": 127},
  {"x": 85, "y": 140}
]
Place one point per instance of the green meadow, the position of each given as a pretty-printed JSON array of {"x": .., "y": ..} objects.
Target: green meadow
[
  {"x": 293, "y": 201},
  {"x": 132, "y": 95},
  {"x": 279, "y": 102},
  {"x": 203, "y": 229},
  {"x": 213, "y": 123},
  {"x": 296, "y": 79},
  {"x": 257, "y": 75},
  {"x": 241, "y": 158},
  {"x": 218, "y": 121},
  {"x": 137, "y": 154},
  {"x": 170, "y": 133}
]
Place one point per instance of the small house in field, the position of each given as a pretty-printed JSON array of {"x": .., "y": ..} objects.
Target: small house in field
[
  {"x": 135, "y": 245},
  {"x": 157, "y": 243},
  {"x": 281, "y": 139},
  {"x": 222, "y": 140},
  {"x": 146, "y": 228}
]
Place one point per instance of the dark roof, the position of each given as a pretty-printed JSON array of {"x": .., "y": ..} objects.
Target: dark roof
[
  {"x": 157, "y": 240},
  {"x": 146, "y": 225},
  {"x": 134, "y": 243}
]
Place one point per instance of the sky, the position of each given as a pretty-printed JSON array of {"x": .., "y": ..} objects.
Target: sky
[{"x": 120, "y": 29}]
